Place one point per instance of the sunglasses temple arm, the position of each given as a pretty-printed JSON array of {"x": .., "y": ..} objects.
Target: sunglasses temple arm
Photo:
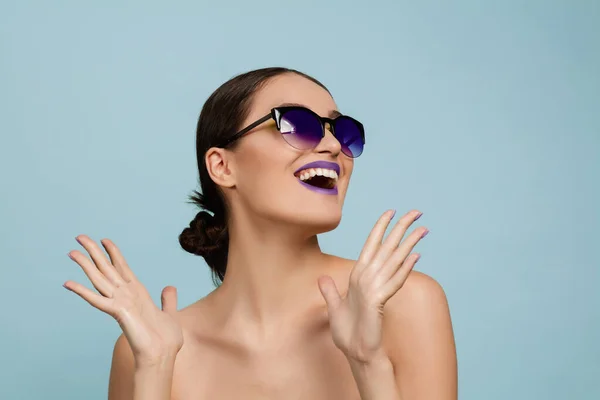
[{"x": 247, "y": 129}]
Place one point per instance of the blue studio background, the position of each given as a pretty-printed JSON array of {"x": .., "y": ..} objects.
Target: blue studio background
[{"x": 484, "y": 115}]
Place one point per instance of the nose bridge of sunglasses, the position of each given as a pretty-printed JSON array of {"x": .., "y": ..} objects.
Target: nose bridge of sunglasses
[
  {"x": 328, "y": 127},
  {"x": 329, "y": 137}
]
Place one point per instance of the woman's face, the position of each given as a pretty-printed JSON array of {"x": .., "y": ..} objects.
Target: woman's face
[{"x": 265, "y": 168}]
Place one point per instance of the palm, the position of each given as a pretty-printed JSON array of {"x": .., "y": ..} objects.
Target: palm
[
  {"x": 381, "y": 270},
  {"x": 150, "y": 331},
  {"x": 146, "y": 327},
  {"x": 355, "y": 327}
]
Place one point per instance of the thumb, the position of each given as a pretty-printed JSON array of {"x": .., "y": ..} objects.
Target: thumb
[
  {"x": 168, "y": 299},
  {"x": 330, "y": 292}
]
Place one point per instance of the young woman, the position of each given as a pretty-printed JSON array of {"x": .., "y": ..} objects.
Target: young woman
[{"x": 275, "y": 158}]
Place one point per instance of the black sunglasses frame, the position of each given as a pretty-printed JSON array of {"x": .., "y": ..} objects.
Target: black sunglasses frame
[{"x": 276, "y": 114}]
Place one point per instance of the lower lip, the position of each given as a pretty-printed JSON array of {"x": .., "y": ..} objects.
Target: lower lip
[{"x": 331, "y": 191}]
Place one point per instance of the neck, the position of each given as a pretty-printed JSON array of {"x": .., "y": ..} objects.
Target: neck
[{"x": 271, "y": 278}]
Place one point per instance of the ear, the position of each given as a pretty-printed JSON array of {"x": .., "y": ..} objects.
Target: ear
[{"x": 219, "y": 166}]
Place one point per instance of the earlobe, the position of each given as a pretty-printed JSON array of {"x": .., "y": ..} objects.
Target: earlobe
[{"x": 218, "y": 165}]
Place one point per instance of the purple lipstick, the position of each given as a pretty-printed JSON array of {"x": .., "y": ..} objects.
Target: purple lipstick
[{"x": 323, "y": 165}]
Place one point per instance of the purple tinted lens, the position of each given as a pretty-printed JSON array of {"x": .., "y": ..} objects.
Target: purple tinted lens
[
  {"x": 301, "y": 129},
  {"x": 349, "y": 134}
]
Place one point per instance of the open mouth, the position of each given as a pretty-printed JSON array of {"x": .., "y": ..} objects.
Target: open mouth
[{"x": 322, "y": 178}]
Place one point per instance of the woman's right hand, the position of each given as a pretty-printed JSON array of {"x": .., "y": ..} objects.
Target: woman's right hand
[{"x": 153, "y": 334}]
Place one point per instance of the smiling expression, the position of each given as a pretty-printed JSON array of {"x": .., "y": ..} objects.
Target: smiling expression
[{"x": 279, "y": 182}]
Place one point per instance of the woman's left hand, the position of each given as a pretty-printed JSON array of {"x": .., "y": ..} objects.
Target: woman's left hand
[{"x": 381, "y": 270}]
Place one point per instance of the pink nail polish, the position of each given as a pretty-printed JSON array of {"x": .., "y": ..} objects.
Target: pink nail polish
[
  {"x": 418, "y": 216},
  {"x": 424, "y": 234}
]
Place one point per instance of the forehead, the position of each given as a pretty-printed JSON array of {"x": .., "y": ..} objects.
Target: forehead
[{"x": 291, "y": 89}]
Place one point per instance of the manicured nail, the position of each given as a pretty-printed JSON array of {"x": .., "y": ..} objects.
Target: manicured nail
[
  {"x": 393, "y": 214},
  {"x": 65, "y": 286},
  {"x": 418, "y": 216},
  {"x": 424, "y": 234}
]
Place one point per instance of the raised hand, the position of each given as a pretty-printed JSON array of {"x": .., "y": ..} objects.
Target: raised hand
[
  {"x": 152, "y": 333},
  {"x": 381, "y": 270}
]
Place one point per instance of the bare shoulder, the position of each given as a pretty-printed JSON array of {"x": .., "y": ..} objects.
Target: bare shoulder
[
  {"x": 419, "y": 339},
  {"x": 201, "y": 323},
  {"x": 120, "y": 384},
  {"x": 197, "y": 314},
  {"x": 123, "y": 363},
  {"x": 194, "y": 323},
  {"x": 420, "y": 296},
  {"x": 419, "y": 293},
  {"x": 417, "y": 284},
  {"x": 420, "y": 304}
]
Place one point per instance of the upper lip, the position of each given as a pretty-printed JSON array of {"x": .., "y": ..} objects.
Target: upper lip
[{"x": 320, "y": 164}]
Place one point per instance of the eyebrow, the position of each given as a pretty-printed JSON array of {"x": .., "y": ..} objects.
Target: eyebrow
[{"x": 332, "y": 113}]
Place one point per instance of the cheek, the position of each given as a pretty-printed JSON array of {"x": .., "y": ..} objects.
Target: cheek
[
  {"x": 348, "y": 166},
  {"x": 259, "y": 182},
  {"x": 263, "y": 176},
  {"x": 269, "y": 193}
]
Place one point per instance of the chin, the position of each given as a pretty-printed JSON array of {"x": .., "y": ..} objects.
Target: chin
[
  {"x": 320, "y": 220},
  {"x": 309, "y": 212},
  {"x": 327, "y": 226}
]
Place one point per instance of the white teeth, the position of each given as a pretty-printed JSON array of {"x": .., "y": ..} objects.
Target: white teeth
[{"x": 311, "y": 172}]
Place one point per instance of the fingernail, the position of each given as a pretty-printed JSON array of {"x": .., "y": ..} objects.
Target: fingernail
[
  {"x": 418, "y": 216},
  {"x": 424, "y": 234},
  {"x": 393, "y": 214},
  {"x": 65, "y": 286}
]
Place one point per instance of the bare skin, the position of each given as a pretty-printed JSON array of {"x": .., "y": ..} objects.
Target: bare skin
[{"x": 288, "y": 322}]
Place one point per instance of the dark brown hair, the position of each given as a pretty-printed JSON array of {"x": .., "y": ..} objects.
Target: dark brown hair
[{"x": 221, "y": 117}]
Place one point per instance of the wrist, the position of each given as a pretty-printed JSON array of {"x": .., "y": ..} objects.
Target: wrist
[
  {"x": 156, "y": 362},
  {"x": 379, "y": 362},
  {"x": 378, "y": 358},
  {"x": 375, "y": 378},
  {"x": 153, "y": 379}
]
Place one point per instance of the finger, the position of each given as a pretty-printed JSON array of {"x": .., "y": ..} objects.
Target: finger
[
  {"x": 389, "y": 245},
  {"x": 94, "y": 299},
  {"x": 97, "y": 279},
  {"x": 374, "y": 239},
  {"x": 100, "y": 260},
  {"x": 394, "y": 262},
  {"x": 168, "y": 299},
  {"x": 117, "y": 259},
  {"x": 397, "y": 281},
  {"x": 330, "y": 292},
  {"x": 397, "y": 233}
]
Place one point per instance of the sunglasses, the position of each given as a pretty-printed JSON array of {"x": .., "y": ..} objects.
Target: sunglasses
[{"x": 303, "y": 129}]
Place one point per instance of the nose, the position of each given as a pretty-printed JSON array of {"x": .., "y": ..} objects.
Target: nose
[{"x": 329, "y": 143}]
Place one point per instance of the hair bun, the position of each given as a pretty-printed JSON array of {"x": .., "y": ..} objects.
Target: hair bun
[{"x": 205, "y": 236}]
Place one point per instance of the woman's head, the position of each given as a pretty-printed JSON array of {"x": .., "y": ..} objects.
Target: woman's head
[{"x": 265, "y": 171}]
